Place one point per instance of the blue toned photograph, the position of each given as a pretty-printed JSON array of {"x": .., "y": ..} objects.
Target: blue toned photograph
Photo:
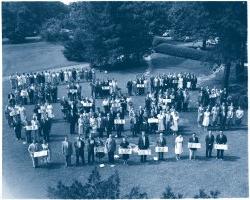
[{"x": 124, "y": 100}]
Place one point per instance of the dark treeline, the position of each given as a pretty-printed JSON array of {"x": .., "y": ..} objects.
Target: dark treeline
[{"x": 117, "y": 33}]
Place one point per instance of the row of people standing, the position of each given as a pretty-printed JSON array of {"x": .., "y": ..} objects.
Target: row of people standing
[
  {"x": 54, "y": 77},
  {"x": 142, "y": 85}
]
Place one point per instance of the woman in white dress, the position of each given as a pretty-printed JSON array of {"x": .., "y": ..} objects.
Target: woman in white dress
[
  {"x": 161, "y": 124},
  {"x": 180, "y": 82},
  {"x": 206, "y": 119},
  {"x": 80, "y": 125},
  {"x": 178, "y": 148},
  {"x": 175, "y": 122},
  {"x": 49, "y": 110},
  {"x": 45, "y": 147},
  {"x": 200, "y": 115},
  {"x": 22, "y": 112},
  {"x": 239, "y": 113}
]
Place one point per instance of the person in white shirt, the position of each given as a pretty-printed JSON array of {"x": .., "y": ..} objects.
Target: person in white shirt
[{"x": 239, "y": 113}]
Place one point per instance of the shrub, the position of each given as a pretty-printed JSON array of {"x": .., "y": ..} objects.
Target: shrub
[
  {"x": 135, "y": 193},
  {"x": 169, "y": 194},
  {"x": 203, "y": 195}
]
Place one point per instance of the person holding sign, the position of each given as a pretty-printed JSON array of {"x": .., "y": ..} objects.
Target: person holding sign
[
  {"x": 67, "y": 151},
  {"x": 91, "y": 149},
  {"x": 33, "y": 147},
  {"x": 178, "y": 146},
  {"x": 161, "y": 142},
  {"x": 193, "y": 139},
  {"x": 209, "y": 144},
  {"x": 79, "y": 150},
  {"x": 143, "y": 144},
  {"x": 220, "y": 139},
  {"x": 125, "y": 145},
  {"x": 111, "y": 147}
]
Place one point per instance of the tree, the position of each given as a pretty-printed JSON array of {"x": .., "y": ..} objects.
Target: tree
[
  {"x": 22, "y": 19},
  {"x": 114, "y": 33}
]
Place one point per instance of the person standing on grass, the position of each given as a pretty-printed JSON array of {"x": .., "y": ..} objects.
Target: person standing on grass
[
  {"x": 161, "y": 142},
  {"x": 192, "y": 151},
  {"x": 178, "y": 146},
  {"x": 33, "y": 147},
  {"x": 111, "y": 147},
  {"x": 125, "y": 145},
  {"x": 206, "y": 120},
  {"x": 91, "y": 149},
  {"x": 67, "y": 151},
  {"x": 17, "y": 124},
  {"x": 45, "y": 147},
  {"x": 143, "y": 144},
  {"x": 79, "y": 150},
  {"x": 239, "y": 113},
  {"x": 220, "y": 139},
  {"x": 209, "y": 144}
]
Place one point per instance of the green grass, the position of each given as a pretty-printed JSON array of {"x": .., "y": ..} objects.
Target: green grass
[{"x": 230, "y": 177}]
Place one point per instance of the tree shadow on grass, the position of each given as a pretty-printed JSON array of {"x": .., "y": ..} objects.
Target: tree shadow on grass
[{"x": 53, "y": 165}]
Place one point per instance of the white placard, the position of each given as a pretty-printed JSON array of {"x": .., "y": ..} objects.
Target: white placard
[
  {"x": 72, "y": 91},
  {"x": 116, "y": 105},
  {"x": 167, "y": 100},
  {"x": 125, "y": 151},
  {"x": 31, "y": 128},
  {"x": 140, "y": 85},
  {"x": 119, "y": 121},
  {"x": 153, "y": 120},
  {"x": 105, "y": 87},
  {"x": 194, "y": 145},
  {"x": 161, "y": 149},
  {"x": 100, "y": 150},
  {"x": 145, "y": 152},
  {"x": 87, "y": 104},
  {"x": 221, "y": 146},
  {"x": 40, "y": 153},
  {"x": 13, "y": 113}
]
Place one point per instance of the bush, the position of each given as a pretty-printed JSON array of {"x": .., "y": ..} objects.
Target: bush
[
  {"x": 135, "y": 193},
  {"x": 169, "y": 194},
  {"x": 203, "y": 195},
  {"x": 184, "y": 52},
  {"x": 95, "y": 188}
]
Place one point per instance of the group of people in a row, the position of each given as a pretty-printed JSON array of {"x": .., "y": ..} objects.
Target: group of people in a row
[
  {"x": 104, "y": 88},
  {"x": 38, "y": 127},
  {"x": 96, "y": 147},
  {"x": 54, "y": 77},
  {"x": 162, "y": 82},
  {"x": 33, "y": 94}
]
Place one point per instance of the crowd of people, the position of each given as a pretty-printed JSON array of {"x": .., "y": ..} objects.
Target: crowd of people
[
  {"x": 166, "y": 96},
  {"x": 161, "y": 83},
  {"x": 216, "y": 109},
  {"x": 38, "y": 87},
  {"x": 95, "y": 147}
]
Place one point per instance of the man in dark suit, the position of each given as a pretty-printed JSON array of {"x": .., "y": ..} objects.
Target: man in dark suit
[
  {"x": 109, "y": 124},
  {"x": 143, "y": 144},
  {"x": 67, "y": 151},
  {"x": 17, "y": 124},
  {"x": 193, "y": 139},
  {"x": 72, "y": 121},
  {"x": 111, "y": 147},
  {"x": 209, "y": 144},
  {"x": 91, "y": 149},
  {"x": 79, "y": 150},
  {"x": 46, "y": 127},
  {"x": 161, "y": 142},
  {"x": 221, "y": 139}
]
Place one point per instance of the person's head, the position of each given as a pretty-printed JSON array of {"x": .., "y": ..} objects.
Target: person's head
[
  {"x": 110, "y": 136},
  {"x": 33, "y": 141},
  {"x": 44, "y": 141},
  {"x": 124, "y": 139},
  {"x": 66, "y": 138},
  {"x": 221, "y": 133},
  {"x": 161, "y": 135},
  {"x": 194, "y": 134},
  {"x": 209, "y": 133}
]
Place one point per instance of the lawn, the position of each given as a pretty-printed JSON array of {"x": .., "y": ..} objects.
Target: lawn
[{"x": 20, "y": 180}]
